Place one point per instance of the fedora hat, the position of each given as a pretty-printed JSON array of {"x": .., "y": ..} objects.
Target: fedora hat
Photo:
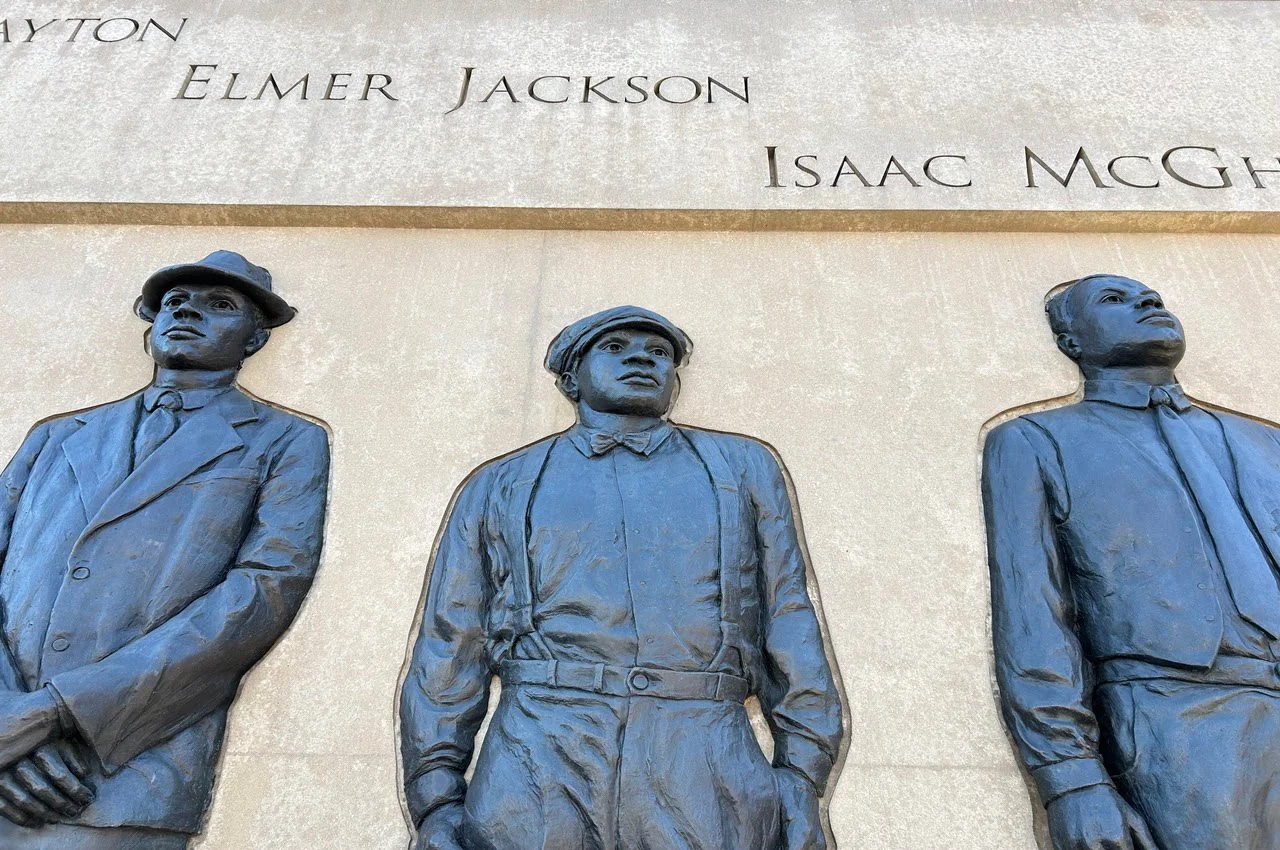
[{"x": 224, "y": 267}]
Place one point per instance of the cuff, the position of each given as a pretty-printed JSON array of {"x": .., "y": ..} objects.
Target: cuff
[
  {"x": 431, "y": 790},
  {"x": 804, "y": 757},
  {"x": 1063, "y": 777},
  {"x": 66, "y": 722}
]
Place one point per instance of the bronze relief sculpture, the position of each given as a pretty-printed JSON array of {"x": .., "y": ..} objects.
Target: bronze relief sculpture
[
  {"x": 632, "y": 582},
  {"x": 154, "y": 549},
  {"x": 1133, "y": 540}
]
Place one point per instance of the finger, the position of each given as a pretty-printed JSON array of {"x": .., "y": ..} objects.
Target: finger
[
  {"x": 51, "y": 764},
  {"x": 1142, "y": 837},
  {"x": 20, "y": 797},
  {"x": 40, "y": 786},
  {"x": 74, "y": 758},
  {"x": 13, "y": 814}
]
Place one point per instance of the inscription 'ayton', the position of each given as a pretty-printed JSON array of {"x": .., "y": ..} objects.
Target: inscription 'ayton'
[{"x": 598, "y": 88}]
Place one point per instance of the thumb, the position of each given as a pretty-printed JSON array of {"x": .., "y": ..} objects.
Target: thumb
[{"x": 1142, "y": 838}]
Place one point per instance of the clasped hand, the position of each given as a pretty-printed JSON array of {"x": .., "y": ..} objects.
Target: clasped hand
[{"x": 43, "y": 778}]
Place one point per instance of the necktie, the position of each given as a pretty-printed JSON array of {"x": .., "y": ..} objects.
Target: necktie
[
  {"x": 603, "y": 443},
  {"x": 157, "y": 426},
  {"x": 1249, "y": 576}
]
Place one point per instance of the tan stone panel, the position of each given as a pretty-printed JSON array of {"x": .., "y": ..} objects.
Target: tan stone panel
[
  {"x": 95, "y": 120},
  {"x": 871, "y": 361}
]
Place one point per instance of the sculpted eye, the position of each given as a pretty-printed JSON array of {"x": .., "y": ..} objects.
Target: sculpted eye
[
  {"x": 173, "y": 301},
  {"x": 1111, "y": 298},
  {"x": 223, "y": 304},
  {"x": 659, "y": 351},
  {"x": 611, "y": 347}
]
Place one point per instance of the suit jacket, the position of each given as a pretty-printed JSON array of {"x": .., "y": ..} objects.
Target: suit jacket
[
  {"x": 1092, "y": 543},
  {"x": 143, "y": 597},
  {"x": 473, "y": 618}
]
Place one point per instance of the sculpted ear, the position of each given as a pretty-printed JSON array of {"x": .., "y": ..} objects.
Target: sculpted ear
[
  {"x": 568, "y": 384},
  {"x": 1068, "y": 345},
  {"x": 255, "y": 343}
]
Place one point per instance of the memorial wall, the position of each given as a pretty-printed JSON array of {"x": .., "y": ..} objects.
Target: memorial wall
[{"x": 854, "y": 211}]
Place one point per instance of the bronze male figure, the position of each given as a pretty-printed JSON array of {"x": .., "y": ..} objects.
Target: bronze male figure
[
  {"x": 151, "y": 551},
  {"x": 1133, "y": 539},
  {"x": 632, "y": 582}
]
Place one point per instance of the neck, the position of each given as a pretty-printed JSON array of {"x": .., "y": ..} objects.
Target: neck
[
  {"x": 1151, "y": 375},
  {"x": 194, "y": 379},
  {"x": 618, "y": 423}
]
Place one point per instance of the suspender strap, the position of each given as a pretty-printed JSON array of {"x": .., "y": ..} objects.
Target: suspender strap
[
  {"x": 625, "y": 681},
  {"x": 516, "y": 533},
  {"x": 728, "y": 511}
]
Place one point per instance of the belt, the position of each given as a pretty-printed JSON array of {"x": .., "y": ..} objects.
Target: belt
[
  {"x": 1226, "y": 670},
  {"x": 625, "y": 681}
]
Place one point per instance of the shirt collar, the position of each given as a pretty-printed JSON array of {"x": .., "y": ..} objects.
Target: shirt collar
[
  {"x": 580, "y": 435},
  {"x": 192, "y": 399},
  {"x": 1135, "y": 394}
]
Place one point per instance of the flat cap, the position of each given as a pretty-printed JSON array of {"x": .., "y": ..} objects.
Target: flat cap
[{"x": 569, "y": 344}]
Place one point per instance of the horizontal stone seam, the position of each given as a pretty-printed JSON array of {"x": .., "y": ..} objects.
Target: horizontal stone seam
[{"x": 565, "y": 218}]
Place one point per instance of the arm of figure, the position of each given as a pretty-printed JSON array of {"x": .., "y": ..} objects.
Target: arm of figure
[
  {"x": 1039, "y": 661},
  {"x": 446, "y": 690},
  {"x": 800, "y": 699},
  {"x": 169, "y": 678}
]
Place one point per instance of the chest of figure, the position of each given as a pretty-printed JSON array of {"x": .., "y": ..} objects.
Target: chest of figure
[{"x": 621, "y": 532}]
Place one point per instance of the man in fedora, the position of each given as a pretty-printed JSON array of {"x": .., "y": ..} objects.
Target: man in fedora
[
  {"x": 153, "y": 549},
  {"x": 1134, "y": 538},
  {"x": 632, "y": 582}
]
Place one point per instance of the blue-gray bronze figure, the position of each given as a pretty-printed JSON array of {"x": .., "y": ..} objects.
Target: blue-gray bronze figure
[
  {"x": 153, "y": 549},
  {"x": 632, "y": 582},
  {"x": 1133, "y": 539}
]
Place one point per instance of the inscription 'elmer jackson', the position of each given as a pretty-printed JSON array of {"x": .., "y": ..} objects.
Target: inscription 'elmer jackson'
[{"x": 597, "y": 88}]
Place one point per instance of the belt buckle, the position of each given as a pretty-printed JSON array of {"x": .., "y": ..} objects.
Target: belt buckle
[{"x": 639, "y": 680}]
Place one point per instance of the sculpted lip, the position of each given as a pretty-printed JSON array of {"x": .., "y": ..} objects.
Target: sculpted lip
[
  {"x": 1158, "y": 318},
  {"x": 183, "y": 332},
  {"x": 639, "y": 378}
]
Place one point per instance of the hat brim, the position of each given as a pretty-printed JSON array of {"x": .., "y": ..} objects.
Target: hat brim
[
  {"x": 275, "y": 310},
  {"x": 672, "y": 335}
]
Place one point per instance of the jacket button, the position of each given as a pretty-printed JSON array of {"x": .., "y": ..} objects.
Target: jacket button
[
  {"x": 639, "y": 680},
  {"x": 80, "y": 573},
  {"x": 1203, "y": 586},
  {"x": 60, "y": 644}
]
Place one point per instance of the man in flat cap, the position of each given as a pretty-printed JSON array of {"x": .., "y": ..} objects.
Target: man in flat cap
[
  {"x": 1133, "y": 539},
  {"x": 631, "y": 582},
  {"x": 153, "y": 549}
]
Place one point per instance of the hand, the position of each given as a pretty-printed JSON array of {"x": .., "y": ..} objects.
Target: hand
[
  {"x": 442, "y": 830},
  {"x": 48, "y": 787},
  {"x": 801, "y": 819},
  {"x": 1097, "y": 818},
  {"x": 27, "y": 720}
]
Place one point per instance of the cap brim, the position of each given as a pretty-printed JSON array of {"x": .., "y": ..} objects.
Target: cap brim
[
  {"x": 673, "y": 335},
  {"x": 275, "y": 310}
]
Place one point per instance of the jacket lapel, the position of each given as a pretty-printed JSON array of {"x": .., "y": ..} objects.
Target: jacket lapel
[
  {"x": 101, "y": 450},
  {"x": 1256, "y": 458},
  {"x": 202, "y": 439}
]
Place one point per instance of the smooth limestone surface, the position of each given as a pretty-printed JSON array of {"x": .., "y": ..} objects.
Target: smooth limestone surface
[
  {"x": 97, "y": 114},
  {"x": 871, "y": 361}
]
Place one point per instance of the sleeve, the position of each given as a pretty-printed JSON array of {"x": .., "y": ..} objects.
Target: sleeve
[
  {"x": 446, "y": 689},
  {"x": 1039, "y": 661},
  {"x": 799, "y": 697},
  {"x": 169, "y": 678},
  {"x": 13, "y": 482}
]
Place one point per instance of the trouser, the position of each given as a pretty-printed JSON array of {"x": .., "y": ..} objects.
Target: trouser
[
  {"x": 564, "y": 769},
  {"x": 1200, "y": 762},
  {"x": 68, "y": 837}
]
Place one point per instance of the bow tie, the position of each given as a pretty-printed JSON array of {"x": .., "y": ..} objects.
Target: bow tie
[{"x": 604, "y": 442}]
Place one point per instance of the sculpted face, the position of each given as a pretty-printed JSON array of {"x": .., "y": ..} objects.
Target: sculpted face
[
  {"x": 205, "y": 326},
  {"x": 1117, "y": 321},
  {"x": 627, "y": 371}
]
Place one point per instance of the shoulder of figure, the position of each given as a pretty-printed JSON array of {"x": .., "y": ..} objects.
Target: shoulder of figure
[
  {"x": 738, "y": 449},
  {"x": 510, "y": 466},
  {"x": 1243, "y": 422}
]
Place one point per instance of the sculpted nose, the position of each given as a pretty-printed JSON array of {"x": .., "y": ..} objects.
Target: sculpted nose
[
  {"x": 1147, "y": 301},
  {"x": 186, "y": 311},
  {"x": 641, "y": 357}
]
